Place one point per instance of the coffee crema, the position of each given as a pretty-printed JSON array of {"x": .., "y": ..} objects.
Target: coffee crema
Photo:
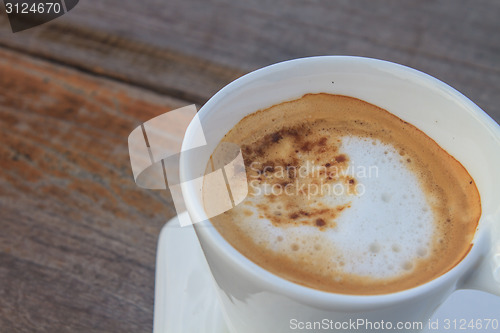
[{"x": 345, "y": 197}]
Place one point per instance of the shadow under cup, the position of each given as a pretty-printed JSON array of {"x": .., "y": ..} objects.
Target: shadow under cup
[{"x": 254, "y": 299}]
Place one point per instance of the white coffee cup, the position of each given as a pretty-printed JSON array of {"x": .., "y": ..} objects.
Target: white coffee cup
[{"x": 255, "y": 300}]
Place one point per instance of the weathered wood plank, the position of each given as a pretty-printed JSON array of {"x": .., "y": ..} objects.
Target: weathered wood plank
[
  {"x": 78, "y": 237},
  {"x": 191, "y": 48}
]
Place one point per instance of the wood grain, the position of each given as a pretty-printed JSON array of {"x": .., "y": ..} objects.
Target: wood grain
[
  {"x": 191, "y": 48},
  {"x": 78, "y": 237}
]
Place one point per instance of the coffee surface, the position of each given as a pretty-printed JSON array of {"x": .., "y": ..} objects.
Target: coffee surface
[{"x": 345, "y": 197}]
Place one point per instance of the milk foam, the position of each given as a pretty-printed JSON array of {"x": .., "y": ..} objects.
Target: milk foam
[
  {"x": 391, "y": 224},
  {"x": 383, "y": 232}
]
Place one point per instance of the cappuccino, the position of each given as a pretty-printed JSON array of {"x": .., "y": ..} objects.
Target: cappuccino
[{"x": 345, "y": 197}]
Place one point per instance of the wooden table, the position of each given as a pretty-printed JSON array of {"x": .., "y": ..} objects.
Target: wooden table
[{"x": 77, "y": 236}]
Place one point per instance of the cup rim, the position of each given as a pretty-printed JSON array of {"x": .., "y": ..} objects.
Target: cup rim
[{"x": 270, "y": 281}]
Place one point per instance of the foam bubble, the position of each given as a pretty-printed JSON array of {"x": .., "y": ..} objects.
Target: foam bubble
[{"x": 386, "y": 197}]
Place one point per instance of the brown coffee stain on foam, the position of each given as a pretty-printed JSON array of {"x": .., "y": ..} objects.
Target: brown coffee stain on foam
[
  {"x": 317, "y": 215},
  {"x": 278, "y": 161},
  {"x": 247, "y": 212},
  {"x": 310, "y": 129}
]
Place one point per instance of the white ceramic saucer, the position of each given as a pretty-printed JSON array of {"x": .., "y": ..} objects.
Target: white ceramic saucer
[
  {"x": 185, "y": 296},
  {"x": 186, "y": 300}
]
